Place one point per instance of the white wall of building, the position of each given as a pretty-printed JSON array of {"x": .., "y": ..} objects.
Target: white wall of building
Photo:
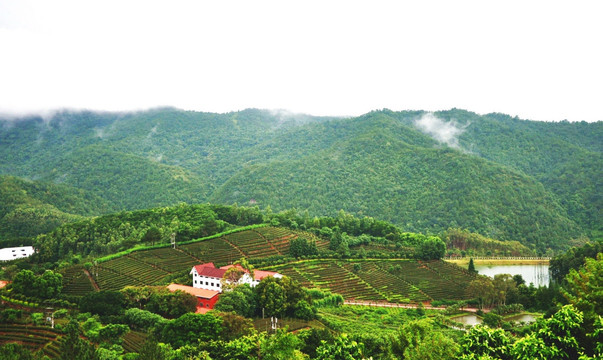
[
  {"x": 15, "y": 253},
  {"x": 206, "y": 282}
]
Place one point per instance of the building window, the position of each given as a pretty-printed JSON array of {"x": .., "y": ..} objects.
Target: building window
[
  {"x": 207, "y": 283},
  {"x": 195, "y": 281}
]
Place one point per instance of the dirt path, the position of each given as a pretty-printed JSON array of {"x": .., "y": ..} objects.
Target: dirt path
[{"x": 94, "y": 284}]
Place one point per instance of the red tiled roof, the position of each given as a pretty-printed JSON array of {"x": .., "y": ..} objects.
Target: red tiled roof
[
  {"x": 3, "y": 283},
  {"x": 203, "y": 293},
  {"x": 257, "y": 274},
  {"x": 209, "y": 269}
]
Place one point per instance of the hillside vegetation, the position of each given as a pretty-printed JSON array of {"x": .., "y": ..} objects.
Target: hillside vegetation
[
  {"x": 29, "y": 208},
  {"x": 502, "y": 177}
]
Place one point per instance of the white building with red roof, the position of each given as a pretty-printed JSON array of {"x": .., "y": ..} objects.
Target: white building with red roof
[{"x": 207, "y": 276}]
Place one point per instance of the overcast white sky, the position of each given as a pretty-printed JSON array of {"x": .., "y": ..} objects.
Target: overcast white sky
[{"x": 540, "y": 60}]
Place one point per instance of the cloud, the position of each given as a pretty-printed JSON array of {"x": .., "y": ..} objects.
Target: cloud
[{"x": 440, "y": 130}]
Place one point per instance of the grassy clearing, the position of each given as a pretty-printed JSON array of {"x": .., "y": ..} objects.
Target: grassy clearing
[{"x": 355, "y": 319}]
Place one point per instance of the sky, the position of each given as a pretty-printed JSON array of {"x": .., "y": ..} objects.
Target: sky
[{"x": 539, "y": 60}]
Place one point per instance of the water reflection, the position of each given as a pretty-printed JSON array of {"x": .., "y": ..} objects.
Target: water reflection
[
  {"x": 536, "y": 274},
  {"x": 467, "y": 319}
]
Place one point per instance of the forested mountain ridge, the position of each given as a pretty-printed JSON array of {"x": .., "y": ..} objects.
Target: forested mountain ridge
[
  {"x": 28, "y": 208},
  {"x": 506, "y": 178}
]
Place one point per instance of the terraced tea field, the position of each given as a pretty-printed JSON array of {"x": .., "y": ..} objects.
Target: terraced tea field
[
  {"x": 377, "y": 280},
  {"x": 76, "y": 282},
  {"x": 155, "y": 266},
  {"x": 382, "y": 280},
  {"x": 32, "y": 337}
]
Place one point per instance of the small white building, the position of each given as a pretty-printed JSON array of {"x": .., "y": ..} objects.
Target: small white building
[
  {"x": 207, "y": 276},
  {"x": 13, "y": 253}
]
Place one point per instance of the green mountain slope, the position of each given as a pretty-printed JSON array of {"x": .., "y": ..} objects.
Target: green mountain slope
[
  {"x": 499, "y": 176},
  {"x": 423, "y": 189},
  {"x": 28, "y": 208},
  {"x": 566, "y": 157}
]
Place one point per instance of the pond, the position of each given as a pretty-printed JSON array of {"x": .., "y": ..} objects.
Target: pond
[
  {"x": 521, "y": 318},
  {"x": 467, "y": 319},
  {"x": 536, "y": 274}
]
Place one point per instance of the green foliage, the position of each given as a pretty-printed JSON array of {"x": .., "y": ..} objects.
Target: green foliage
[
  {"x": 420, "y": 339},
  {"x": 29, "y": 208},
  {"x": 574, "y": 258},
  {"x": 142, "y": 319},
  {"x": 235, "y": 326},
  {"x": 377, "y": 164},
  {"x": 45, "y": 286},
  {"x": 171, "y": 304},
  {"x": 190, "y": 328},
  {"x": 128, "y": 230},
  {"x": 240, "y": 300},
  {"x": 341, "y": 349},
  {"x": 103, "y": 303},
  {"x": 483, "y": 341},
  {"x": 556, "y": 337},
  {"x": 433, "y": 248},
  {"x": 73, "y": 346},
  {"x": 159, "y": 300},
  {"x": 272, "y": 297},
  {"x": 15, "y": 352},
  {"x": 471, "y": 267},
  {"x": 302, "y": 247},
  {"x": 476, "y": 244},
  {"x": 281, "y": 345}
]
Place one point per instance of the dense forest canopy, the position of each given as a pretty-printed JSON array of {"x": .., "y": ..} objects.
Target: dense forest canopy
[{"x": 502, "y": 177}]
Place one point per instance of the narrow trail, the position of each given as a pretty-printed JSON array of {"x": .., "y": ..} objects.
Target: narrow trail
[{"x": 94, "y": 284}]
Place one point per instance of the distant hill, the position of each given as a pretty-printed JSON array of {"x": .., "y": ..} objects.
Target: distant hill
[
  {"x": 506, "y": 178},
  {"x": 28, "y": 208}
]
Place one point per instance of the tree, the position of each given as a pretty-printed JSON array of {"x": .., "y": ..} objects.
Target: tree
[
  {"x": 471, "y": 267},
  {"x": 271, "y": 296},
  {"x": 583, "y": 289},
  {"x": 432, "y": 248},
  {"x": 190, "y": 329},
  {"x": 153, "y": 235},
  {"x": 503, "y": 285},
  {"x": 281, "y": 345},
  {"x": 142, "y": 319},
  {"x": 482, "y": 289},
  {"x": 73, "y": 346},
  {"x": 302, "y": 247},
  {"x": 49, "y": 285},
  {"x": 46, "y": 286},
  {"x": 103, "y": 303},
  {"x": 482, "y": 341},
  {"x": 419, "y": 339},
  {"x": 240, "y": 300},
  {"x": 554, "y": 338},
  {"x": 343, "y": 348},
  {"x": 232, "y": 277},
  {"x": 15, "y": 352},
  {"x": 235, "y": 326},
  {"x": 23, "y": 283},
  {"x": 171, "y": 304}
]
